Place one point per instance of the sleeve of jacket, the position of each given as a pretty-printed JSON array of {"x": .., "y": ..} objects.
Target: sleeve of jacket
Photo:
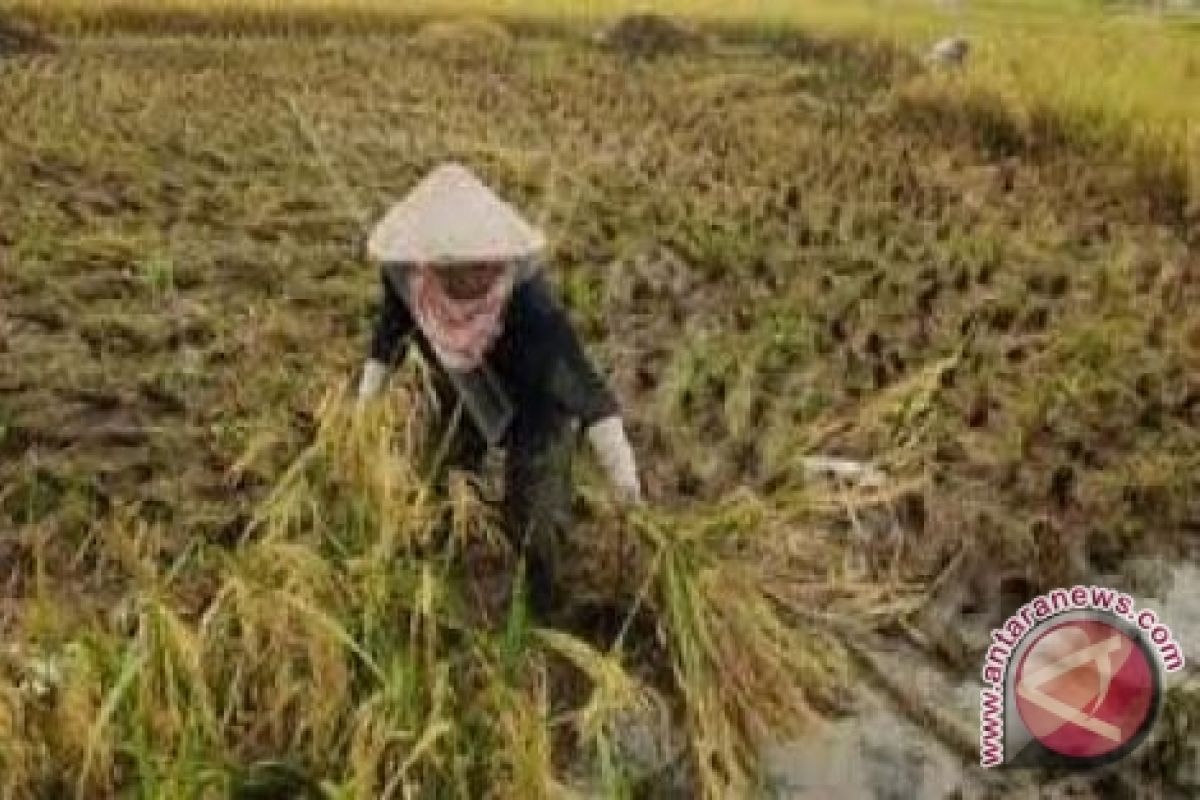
[
  {"x": 393, "y": 326},
  {"x": 571, "y": 377}
]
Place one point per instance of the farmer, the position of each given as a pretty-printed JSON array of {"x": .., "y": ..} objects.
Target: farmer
[{"x": 460, "y": 278}]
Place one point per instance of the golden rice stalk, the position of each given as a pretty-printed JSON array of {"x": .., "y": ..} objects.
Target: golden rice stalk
[
  {"x": 359, "y": 480},
  {"x": 804, "y": 566},
  {"x": 374, "y": 453},
  {"x": 614, "y": 691},
  {"x": 159, "y": 695},
  {"x": 745, "y": 675},
  {"x": 403, "y": 734},
  {"x": 170, "y": 697},
  {"x": 22, "y": 762},
  {"x": 130, "y": 547},
  {"x": 50, "y": 696},
  {"x": 275, "y": 649},
  {"x": 624, "y": 727},
  {"x": 77, "y": 704},
  {"x": 894, "y": 424},
  {"x": 522, "y": 764}
]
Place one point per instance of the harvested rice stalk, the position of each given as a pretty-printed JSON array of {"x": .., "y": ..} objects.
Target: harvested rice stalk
[
  {"x": 746, "y": 677},
  {"x": 359, "y": 477},
  {"x": 624, "y": 726},
  {"x": 21, "y": 754},
  {"x": 521, "y": 763},
  {"x": 404, "y": 735},
  {"x": 275, "y": 651},
  {"x": 158, "y": 703}
]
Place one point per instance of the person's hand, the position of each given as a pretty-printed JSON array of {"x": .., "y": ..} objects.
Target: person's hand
[
  {"x": 374, "y": 375},
  {"x": 627, "y": 488},
  {"x": 629, "y": 496},
  {"x": 612, "y": 449}
]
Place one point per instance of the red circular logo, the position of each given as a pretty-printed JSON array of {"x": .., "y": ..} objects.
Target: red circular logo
[{"x": 1086, "y": 689}]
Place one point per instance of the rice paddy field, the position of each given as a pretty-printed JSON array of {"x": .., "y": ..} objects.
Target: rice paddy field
[{"x": 782, "y": 233}]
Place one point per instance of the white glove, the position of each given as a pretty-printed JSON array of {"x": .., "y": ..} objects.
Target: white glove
[
  {"x": 374, "y": 374},
  {"x": 612, "y": 449}
]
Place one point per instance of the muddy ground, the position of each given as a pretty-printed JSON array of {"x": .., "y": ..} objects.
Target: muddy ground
[{"x": 755, "y": 239}]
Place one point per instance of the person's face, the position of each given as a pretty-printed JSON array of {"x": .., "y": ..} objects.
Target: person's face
[{"x": 470, "y": 281}]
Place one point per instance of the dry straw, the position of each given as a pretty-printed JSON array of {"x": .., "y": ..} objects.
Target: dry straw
[{"x": 333, "y": 644}]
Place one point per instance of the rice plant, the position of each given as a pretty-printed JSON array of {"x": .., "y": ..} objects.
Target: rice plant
[
  {"x": 334, "y": 647},
  {"x": 744, "y": 674}
]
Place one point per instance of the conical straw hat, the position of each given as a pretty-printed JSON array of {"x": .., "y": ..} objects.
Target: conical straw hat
[{"x": 452, "y": 217}]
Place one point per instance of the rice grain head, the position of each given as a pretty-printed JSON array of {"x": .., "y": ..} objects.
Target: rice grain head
[{"x": 274, "y": 645}]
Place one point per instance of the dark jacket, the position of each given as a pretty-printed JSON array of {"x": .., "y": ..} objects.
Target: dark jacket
[{"x": 538, "y": 358}]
